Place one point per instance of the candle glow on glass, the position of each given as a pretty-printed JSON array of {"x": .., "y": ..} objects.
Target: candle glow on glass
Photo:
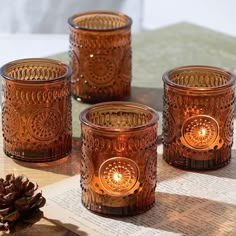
[
  {"x": 117, "y": 177},
  {"x": 202, "y": 132}
]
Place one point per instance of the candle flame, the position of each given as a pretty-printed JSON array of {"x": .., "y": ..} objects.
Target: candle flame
[
  {"x": 202, "y": 132},
  {"x": 117, "y": 177}
]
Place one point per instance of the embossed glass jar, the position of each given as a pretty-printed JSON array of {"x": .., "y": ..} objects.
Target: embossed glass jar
[
  {"x": 119, "y": 158},
  {"x": 100, "y": 56},
  {"x": 198, "y": 117},
  {"x": 36, "y": 110}
]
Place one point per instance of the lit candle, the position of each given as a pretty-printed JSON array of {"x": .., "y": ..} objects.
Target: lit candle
[
  {"x": 198, "y": 117},
  {"x": 202, "y": 132},
  {"x": 118, "y": 178}
]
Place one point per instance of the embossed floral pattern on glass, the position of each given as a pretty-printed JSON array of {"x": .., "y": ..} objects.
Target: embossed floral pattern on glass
[
  {"x": 119, "y": 158},
  {"x": 100, "y": 56},
  {"x": 198, "y": 117},
  {"x": 36, "y": 109}
]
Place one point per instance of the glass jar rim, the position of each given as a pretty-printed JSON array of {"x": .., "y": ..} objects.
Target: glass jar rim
[
  {"x": 73, "y": 17},
  {"x": 67, "y": 74},
  {"x": 167, "y": 80},
  {"x": 154, "y": 119}
]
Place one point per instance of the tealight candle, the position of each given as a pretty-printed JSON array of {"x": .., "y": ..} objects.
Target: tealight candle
[
  {"x": 119, "y": 157},
  {"x": 198, "y": 117}
]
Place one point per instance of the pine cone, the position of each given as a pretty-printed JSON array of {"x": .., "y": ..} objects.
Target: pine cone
[{"x": 19, "y": 203}]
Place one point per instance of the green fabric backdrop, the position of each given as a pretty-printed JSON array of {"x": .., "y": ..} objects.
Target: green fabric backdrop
[{"x": 155, "y": 52}]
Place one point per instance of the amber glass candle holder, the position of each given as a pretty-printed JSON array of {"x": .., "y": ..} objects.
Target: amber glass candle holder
[
  {"x": 119, "y": 158},
  {"x": 36, "y": 110},
  {"x": 198, "y": 117},
  {"x": 100, "y": 56}
]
